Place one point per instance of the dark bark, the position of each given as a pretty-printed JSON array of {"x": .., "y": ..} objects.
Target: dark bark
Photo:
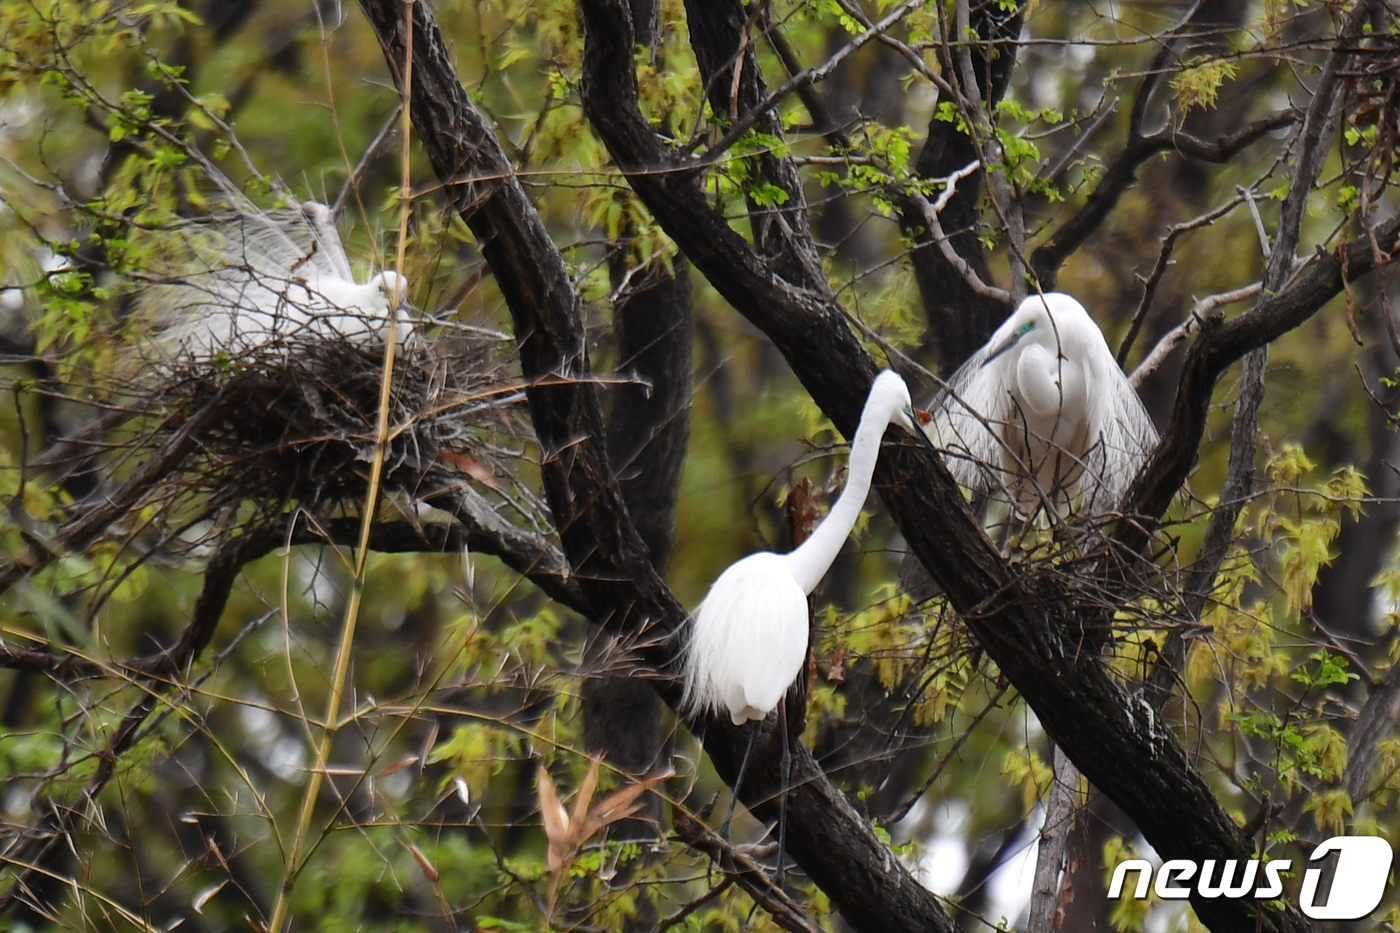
[
  {"x": 649, "y": 423},
  {"x": 648, "y": 427}
]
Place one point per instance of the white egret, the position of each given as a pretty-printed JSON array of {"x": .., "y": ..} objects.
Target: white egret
[
  {"x": 749, "y": 638},
  {"x": 253, "y": 278},
  {"x": 1044, "y": 411}
]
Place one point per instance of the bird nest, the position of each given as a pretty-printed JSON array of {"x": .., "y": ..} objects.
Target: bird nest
[{"x": 293, "y": 422}]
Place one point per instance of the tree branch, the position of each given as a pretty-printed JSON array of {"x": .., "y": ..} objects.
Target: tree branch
[
  {"x": 1121, "y": 175},
  {"x": 827, "y": 837},
  {"x": 485, "y": 531},
  {"x": 745, "y": 872},
  {"x": 219, "y": 578},
  {"x": 960, "y": 316},
  {"x": 1050, "y": 853},
  {"x": 1272, "y": 315},
  {"x": 1116, "y": 741},
  {"x": 1222, "y": 344}
]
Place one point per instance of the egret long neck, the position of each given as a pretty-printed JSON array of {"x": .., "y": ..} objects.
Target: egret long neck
[{"x": 810, "y": 562}]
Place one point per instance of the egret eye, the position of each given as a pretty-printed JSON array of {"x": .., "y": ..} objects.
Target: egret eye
[{"x": 1025, "y": 328}]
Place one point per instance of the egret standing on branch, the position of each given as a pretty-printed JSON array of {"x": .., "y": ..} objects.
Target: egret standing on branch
[
  {"x": 251, "y": 278},
  {"x": 1044, "y": 411},
  {"x": 749, "y": 638}
]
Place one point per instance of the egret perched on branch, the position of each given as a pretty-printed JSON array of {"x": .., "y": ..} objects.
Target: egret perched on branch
[
  {"x": 1044, "y": 411},
  {"x": 251, "y": 278},
  {"x": 749, "y": 638}
]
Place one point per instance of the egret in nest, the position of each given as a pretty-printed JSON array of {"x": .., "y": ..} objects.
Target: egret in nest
[
  {"x": 1044, "y": 412},
  {"x": 748, "y": 641},
  {"x": 251, "y": 279}
]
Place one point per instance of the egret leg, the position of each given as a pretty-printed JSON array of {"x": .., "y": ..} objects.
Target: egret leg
[
  {"x": 753, "y": 728},
  {"x": 786, "y": 774}
]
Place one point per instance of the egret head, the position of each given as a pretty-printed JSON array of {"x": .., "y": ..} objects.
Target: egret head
[
  {"x": 1055, "y": 321},
  {"x": 394, "y": 287},
  {"x": 890, "y": 386}
]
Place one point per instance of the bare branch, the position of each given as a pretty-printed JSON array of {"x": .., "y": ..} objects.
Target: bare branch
[
  {"x": 213, "y": 597},
  {"x": 1050, "y": 852},
  {"x": 804, "y": 78},
  {"x": 1220, "y": 345},
  {"x": 745, "y": 872},
  {"x": 1159, "y": 268},
  {"x": 1121, "y": 175},
  {"x": 950, "y": 255},
  {"x": 1206, "y": 308}
]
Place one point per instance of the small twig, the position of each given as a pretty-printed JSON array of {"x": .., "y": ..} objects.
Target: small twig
[
  {"x": 745, "y": 872},
  {"x": 906, "y": 51},
  {"x": 935, "y": 229},
  {"x": 213, "y": 598},
  {"x": 915, "y": 797},
  {"x": 816, "y": 106},
  {"x": 376, "y": 148},
  {"x": 1066, "y": 160},
  {"x": 689, "y": 908},
  {"x": 1362, "y": 669},
  {"x": 1248, "y": 196},
  {"x": 1149, "y": 289},
  {"x": 82, "y": 530},
  {"x": 1204, "y": 309}
]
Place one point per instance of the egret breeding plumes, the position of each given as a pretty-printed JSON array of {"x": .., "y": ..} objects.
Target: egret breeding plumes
[
  {"x": 260, "y": 352},
  {"x": 1044, "y": 411},
  {"x": 250, "y": 279},
  {"x": 749, "y": 638}
]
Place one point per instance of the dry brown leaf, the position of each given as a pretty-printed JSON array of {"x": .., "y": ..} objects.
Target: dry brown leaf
[
  {"x": 398, "y": 765},
  {"x": 620, "y": 804},
  {"x": 556, "y": 821},
  {"x": 585, "y": 794},
  {"x": 203, "y": 897},
  {"x": 472, "y": 468},
  {"x": 836, "y": 673},
  {"x": 423, "y": 862},
  {"x": 567, "y": 833}
]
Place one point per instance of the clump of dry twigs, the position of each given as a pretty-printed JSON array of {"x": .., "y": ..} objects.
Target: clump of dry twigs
[
  {"x": 295, "y": 421},
  {"x": 190, "y": 443}
]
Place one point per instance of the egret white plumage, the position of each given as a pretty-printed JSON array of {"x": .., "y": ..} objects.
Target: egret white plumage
[
  {"x": 252, "y": 278},
  {"x": 1044, "y": 411},
  {"x": 749, "y": 638}
]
